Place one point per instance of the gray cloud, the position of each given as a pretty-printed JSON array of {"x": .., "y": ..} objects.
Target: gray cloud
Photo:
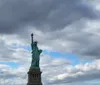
[
  {"x": 79, "y": 73},
  {"x": 63, "y": 19},
  {"x": 5, "y": 52},
  {"x": 45, "y": 14},
  {"x": 57, "y": 69},
  {"x": 58, "y": 26},
  {"x": 7, "y": 74}
]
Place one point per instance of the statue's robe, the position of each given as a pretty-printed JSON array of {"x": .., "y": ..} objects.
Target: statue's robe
[{"x": 35, "y": 56}]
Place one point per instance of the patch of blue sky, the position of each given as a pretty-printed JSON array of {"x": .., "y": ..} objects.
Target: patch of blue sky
[
  {"x": 15, "y": 46},
  {"x": 11, "y": 64},
  {"x": 86, "y": 61},
  {"x": 97, "y": 82},
  {"x": 69, "y": 56}
]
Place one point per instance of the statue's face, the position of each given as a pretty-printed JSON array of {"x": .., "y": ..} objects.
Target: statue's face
[{"x": 35, "y": 44}]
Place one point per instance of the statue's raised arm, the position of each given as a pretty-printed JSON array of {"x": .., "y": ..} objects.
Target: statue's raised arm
[{"x": 32, "y": 42}]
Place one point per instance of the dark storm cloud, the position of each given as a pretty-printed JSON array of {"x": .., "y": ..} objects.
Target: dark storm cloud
[
  {"x": 47, "y": 14},
  {"x": 51, "y": 15},
  {"x": 87, "y": 44}
]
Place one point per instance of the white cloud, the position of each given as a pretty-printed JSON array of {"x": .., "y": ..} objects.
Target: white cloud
[{"x": 68, "y": 26}]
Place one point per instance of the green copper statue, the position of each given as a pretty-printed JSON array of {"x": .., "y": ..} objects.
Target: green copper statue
[{"x": 35, "y": 54}]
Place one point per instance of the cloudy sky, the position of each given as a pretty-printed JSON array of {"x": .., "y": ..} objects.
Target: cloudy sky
[{"x": 68, "y": 32}]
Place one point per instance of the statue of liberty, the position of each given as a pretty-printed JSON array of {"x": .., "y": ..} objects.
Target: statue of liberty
[{"x": 35, "y": 54}]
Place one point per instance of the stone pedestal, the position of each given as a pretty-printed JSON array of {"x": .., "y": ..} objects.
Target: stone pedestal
[{"x": 34, "y": 77}]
